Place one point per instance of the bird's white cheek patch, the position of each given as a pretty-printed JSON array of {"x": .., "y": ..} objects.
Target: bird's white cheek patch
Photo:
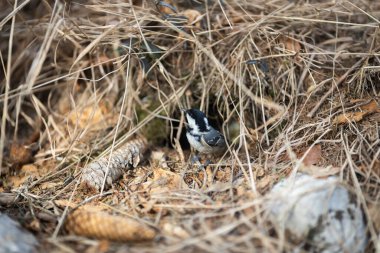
[{"x": 192, "y": 124}]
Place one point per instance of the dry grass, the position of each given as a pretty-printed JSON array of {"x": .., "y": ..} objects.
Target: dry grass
[{"x": 79, "y": 78}]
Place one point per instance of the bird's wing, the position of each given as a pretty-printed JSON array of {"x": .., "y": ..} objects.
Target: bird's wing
[{"x": 213, "y": 139}]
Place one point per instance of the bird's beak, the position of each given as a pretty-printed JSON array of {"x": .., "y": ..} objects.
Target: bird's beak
[{"x": 183, "y": 110}]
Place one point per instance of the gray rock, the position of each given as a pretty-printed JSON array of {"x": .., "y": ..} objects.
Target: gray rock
[
  {"x": 13, "y": 239},
  {"x": 319, "y": 213}
]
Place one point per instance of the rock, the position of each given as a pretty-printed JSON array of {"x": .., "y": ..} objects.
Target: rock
[
  {"x": 13, "y": 238},
  {"x": 319, "y": 214}
]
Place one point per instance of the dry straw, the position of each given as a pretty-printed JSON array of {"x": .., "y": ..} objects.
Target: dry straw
[{"x": 277, "y": 77}]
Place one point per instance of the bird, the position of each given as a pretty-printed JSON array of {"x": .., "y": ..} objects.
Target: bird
[{"x": 201, "y": 135}]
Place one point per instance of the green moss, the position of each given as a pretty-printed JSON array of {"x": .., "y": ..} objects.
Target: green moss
[{"x": 156, "y": 130}]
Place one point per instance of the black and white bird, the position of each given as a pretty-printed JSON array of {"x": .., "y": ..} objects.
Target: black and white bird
[{"x": 202, "y": 137}]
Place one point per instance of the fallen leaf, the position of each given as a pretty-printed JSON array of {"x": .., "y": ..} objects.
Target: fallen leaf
[
  {"x": 319, "y": 172},
  {"x": 175, "y": 230},
  {"x": 292, "y": 45},
  {"x": 258, "y": 171},
  {"x": 27, "y": 171},
  {"x": 244, "y": 192},
  {"x": 30, "y": 169},
  {"x": 223, "y": 175},
  {"x": 219, "y": 187},
  {"x": 102, "y": 246},
  {"x": 376, "y": 167},
  {"x": 209, "y": 176},
  {"x": 35, "y": 225},
  {"x": 63, "y": 203},
  {"x": 19, "y": 155},
  {"x": 313, "y": 155},
  {"x": 165, "y": 181},
  {"x": 92, "y": 115},
  {"x": 16, "y": 181},
  {"x": 357, "y": 116},
  {"x": 159, "y": 159},
  {"x": 265, "y": 181},
  {"x": 374, "y": 214},
  {"x": 193, "y": 17},
  {"x": 372, "y": 106},
  {"x": 349, "y": 117},
  {"x": 48, "y": 185}
]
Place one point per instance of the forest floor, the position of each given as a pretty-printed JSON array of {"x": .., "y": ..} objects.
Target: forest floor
[{"x": 293, "y": 85}]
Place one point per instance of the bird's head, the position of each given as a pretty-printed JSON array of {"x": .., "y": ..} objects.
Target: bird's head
[{"x": 196, "y": 120}]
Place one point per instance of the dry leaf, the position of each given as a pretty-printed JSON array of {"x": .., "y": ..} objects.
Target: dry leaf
[
  {"x": 258, "y": 171},
  {"x": 165, "y": 181},
  {"x": 374, "y": 214},
  {"x": 349, "y": 117},
  {"x": 102, "y": 246},
  {"x": 19, "y": 155},
  {"x": 193, "y": 17},
  {"x": 64, "y": 203},
  {"x": 209, "y": 176},
  {"x": 223, "y": 175},
  {"x": 175, "y": 230},
  {"x": 16, "y": 181},
  {"x": 292, "y": 45},
  {"x": 48, "y": 185},
  {"x": 30, "y": 169},
  {"x": 244, "y": 192},
  {"x": 357, "y": 116},
  {"x": 103, "y": 226},
  {"x": 372, "y": 106},
  {"x": 27, "y": 171},
  {"x": 92, "y": 115},
  {"x": 35, "y": 225},
  {"x": 313, "y": 155},
  {"x": 319, "y": 172},
  {"x": 265, "y": 181},
  {"x": 376, "y": 167},
  {"x": 220, "y": 187},
  {"x": 159, "y": 159}
]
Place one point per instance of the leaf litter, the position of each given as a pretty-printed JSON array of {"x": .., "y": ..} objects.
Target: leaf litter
[{"x": 294, "y": 87}]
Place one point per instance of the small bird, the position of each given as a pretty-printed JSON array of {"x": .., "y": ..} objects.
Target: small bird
[{"x": 202, "y": 137}]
